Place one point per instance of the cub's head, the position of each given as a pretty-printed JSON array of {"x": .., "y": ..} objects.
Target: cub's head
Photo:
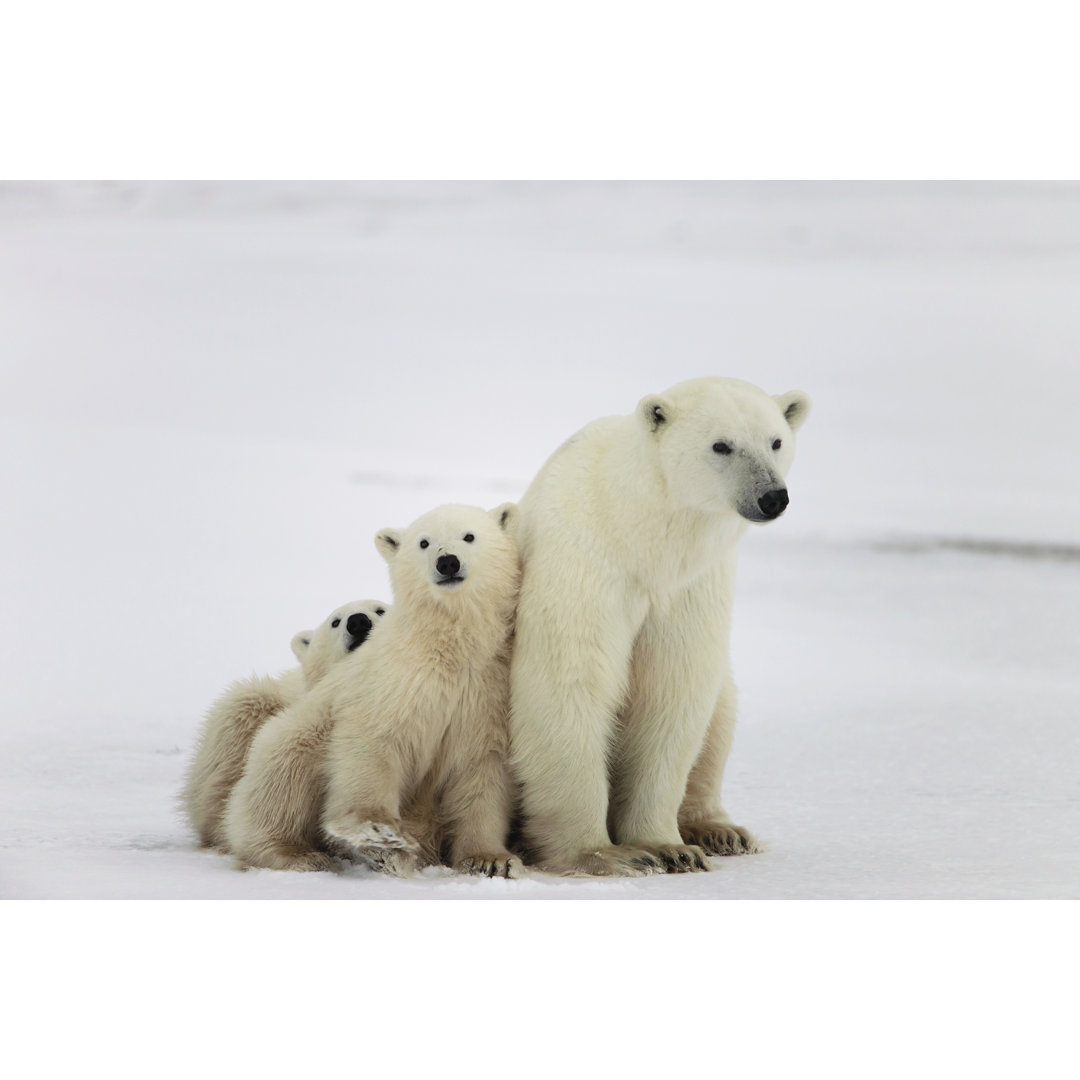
[
  {"x": 723, "y": 445},
  {"x": 453, "y": 553},
  {"x": 343, "y": 630}
]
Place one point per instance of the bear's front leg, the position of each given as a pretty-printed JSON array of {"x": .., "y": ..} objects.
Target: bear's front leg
[
  {"x": 568, "y": 679},
  {"x": 702, "y": 818},
  {"x": 477, "y": 801},
  {"x": 674, "y": 680}
]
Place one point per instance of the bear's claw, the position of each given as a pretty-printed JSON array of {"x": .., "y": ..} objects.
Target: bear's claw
[
  {"x": 720, "y": 838},
  {"x": 502, "y": 865}
]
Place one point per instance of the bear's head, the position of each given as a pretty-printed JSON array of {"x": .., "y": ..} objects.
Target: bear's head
[
  {"x": 454, "y": 554},
  {"x": 342, "y": 631},
  {"x": 723, "y": 445}
]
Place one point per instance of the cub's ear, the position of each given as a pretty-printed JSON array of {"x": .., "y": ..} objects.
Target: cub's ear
[
  {"x": 795, "y": 405},
  {"x": 388, "y": 543},
  {"x": 654, "y": 411},
  {"x": 507, "y": 516},
  {"x": 300, "y": 643}
]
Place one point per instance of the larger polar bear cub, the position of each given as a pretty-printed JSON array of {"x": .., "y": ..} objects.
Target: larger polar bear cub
[
  {"x": 235, "y": 718},
  {"x": 622, "y": 716},
  {"x": 402, "y": 750}
]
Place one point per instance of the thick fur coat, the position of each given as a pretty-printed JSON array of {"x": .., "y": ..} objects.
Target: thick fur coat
[
  {"x": 623, "y": 716},
  {"x": 235, "y": 718},
  {"x": 400, "y": 755}
]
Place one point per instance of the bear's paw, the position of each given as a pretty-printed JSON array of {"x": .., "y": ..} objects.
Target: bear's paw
[
  {"x": 359, "y": 835},
  {"x": 681, "y": 858},
  {"x": 501, "y": 864},
  {"x": 720, "y": 838},
  {"x": 615, "y": 860}
]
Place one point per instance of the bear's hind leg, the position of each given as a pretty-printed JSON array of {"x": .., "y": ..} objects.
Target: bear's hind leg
[{"x": 286, "y": 857}]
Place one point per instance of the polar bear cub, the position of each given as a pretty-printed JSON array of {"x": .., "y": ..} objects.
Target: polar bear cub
[
  {"x": 400, "y": 755},
  {"x": 237, "y": 715}
]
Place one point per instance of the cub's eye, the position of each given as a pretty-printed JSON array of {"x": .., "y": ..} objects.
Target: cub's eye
[
  {"x": 721, "y": 448},
  {"x": 776, "y": 445},
  {"x": 423, "y": 543},
  {"x": 380, "y": 611},
  {"x": 468, "y": 538},
  {"x": 336, "y": 622}
]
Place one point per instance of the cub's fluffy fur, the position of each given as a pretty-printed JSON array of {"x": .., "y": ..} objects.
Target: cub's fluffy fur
[
  {"x": 234, "y": 718},
  {"x": 399, "y": 756}
]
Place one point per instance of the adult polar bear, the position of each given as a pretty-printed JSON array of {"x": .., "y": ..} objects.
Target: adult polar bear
[{"x": 623, "y": 713}]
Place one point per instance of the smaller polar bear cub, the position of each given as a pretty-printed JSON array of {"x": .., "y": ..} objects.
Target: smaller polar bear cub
[
  {"x": 400, "y": 755},
  {"x": 237, "y": 715}
]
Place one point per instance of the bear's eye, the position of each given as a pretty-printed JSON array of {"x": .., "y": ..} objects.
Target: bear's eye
[
  {"x": 380, "y": 611},
  {"x": 776, "y": 445},
  {"x": 468, "y": 538},
  {"x": 336, "y": 622},
  {"x": 423, "y": 543},
  {"x": 721, "y": 448}
]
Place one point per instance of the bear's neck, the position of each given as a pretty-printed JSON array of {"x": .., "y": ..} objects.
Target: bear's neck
[{"x": 470, "y": 629}]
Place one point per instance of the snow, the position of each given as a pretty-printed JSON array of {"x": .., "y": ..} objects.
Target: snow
[{"x": 213, "y": 395}]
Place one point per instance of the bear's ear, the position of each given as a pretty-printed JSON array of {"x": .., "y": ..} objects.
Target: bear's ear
[
  {"x": 388, "y": 543},
  {"x": 654, "y": 412},
  {"x": 300, "y": 643},
  {"x": 795, "y": 405},
  {"x": 507, "y": 517}
]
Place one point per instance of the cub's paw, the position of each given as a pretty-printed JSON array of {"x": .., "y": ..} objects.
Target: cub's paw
[
  {"x": 681, "y": 858},
  {"x": 501, "y": 864},
  {"x": 396, "y": 862},
  {"x": 286, "y": 858},
  {"x": 616, "y": 860},
  {"x": 311, "y": 862},
  {"x": 720, "y": 838},
  {"x": 361, "y": 835}
]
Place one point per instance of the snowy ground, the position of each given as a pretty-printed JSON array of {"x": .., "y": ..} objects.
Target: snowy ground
[{"x": 212, "y": 396}]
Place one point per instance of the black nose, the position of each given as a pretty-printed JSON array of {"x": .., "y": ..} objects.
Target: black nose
[
  {"x": 447, "y": 565},
  {"x": 359, "y": 625},
  {"x": 773, "y": 503}
]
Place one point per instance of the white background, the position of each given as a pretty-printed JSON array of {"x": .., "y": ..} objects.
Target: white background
[{"x": 949, "y": 90}]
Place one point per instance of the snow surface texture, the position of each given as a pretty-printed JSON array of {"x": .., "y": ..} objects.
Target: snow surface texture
[{"x": 213, "y": 395}]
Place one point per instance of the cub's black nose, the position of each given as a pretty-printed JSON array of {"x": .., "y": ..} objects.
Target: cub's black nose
[
  {"x": 447, "y": 565},
  {"x": 773, "y": 503},
  {"x": 359, "y": 625}
]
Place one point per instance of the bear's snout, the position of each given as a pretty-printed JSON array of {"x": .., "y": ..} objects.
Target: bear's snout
[
  {"x": 773, "y": 503},
  {"x": 447, "y": 565},
  {"x": 359, "y": 626}
]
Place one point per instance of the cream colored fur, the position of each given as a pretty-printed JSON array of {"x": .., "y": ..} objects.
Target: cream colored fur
[
  {"x": 400, "y": 756},
  {"x": 235, "y": 718},
  {"x": 623, "y": 704}
]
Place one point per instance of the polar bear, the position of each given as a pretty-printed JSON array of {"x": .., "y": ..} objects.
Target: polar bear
[
  {"x": 236, "y": 716},
  {"x": 400, "y": 755},
  {"x": 622, "y": 716}
]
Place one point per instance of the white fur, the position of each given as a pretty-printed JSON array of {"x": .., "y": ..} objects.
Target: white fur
[
  {"x": 236, "y": 717},
  {"x": 623, "y": 700},
  {"x": 400, "y": 756}
]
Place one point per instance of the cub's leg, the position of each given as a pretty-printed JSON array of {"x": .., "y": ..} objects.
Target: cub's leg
[
  {"x": 365, "y": 782},
  {"x": 477, "y": 802},
  {"x": 702, "y": 818},
  {"x": 231, "y": 724},
  {"x": 271, "y": 819}
]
